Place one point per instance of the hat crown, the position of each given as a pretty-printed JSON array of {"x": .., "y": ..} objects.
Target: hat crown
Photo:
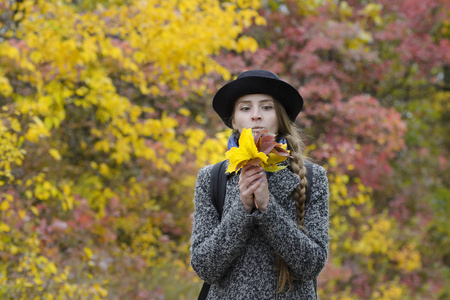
[{"x": 258, "y": 73}]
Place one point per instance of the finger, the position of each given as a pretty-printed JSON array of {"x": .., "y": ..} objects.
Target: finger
[
  {"x": 249, "y": 170},
  {"x": 250, "y": 183},
  {"x": 262, "y": 188},
  {"x": 251, "y": 176},
  {"x": 253, "y": 186}
]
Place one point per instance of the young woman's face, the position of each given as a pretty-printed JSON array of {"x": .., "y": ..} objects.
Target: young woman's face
[{"x": 256, "y": 111}]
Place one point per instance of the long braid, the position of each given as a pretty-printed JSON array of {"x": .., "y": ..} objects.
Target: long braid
[
  {"x": 299, "y": 169},
  {"x": 296, "y": 145}
]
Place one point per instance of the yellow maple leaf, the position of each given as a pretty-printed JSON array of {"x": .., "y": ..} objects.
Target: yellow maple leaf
[
  {"x": 259, "y": 150},
  {"x": 246, "y": 152}
]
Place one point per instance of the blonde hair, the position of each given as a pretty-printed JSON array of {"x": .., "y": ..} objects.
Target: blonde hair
[{"x": 296, "y": 145}]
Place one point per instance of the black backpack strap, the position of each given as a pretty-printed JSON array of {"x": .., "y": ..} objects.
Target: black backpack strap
[
  {"x": 218, "y": 186},
  {"x": 204, "y": 291},
  {"x": 218, "y": 191}
]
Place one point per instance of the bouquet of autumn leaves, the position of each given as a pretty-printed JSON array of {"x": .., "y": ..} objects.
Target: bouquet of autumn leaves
[{"x": 260, "y": 149}]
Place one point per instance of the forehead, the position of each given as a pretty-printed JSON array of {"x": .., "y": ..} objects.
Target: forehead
[{"x": 255, "y": 97}]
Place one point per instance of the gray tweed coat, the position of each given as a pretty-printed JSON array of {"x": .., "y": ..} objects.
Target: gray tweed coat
[{"x": 237, "y": 255}]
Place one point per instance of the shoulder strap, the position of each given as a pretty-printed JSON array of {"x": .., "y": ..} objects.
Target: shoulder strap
[
  {"x": 218, "y": 186},
  {"x": 204, "y": 291}
]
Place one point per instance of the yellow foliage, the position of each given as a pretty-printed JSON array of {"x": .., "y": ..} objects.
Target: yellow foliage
[
  {"x": 361, "y": 40},
  {"x": 4, "y": 227},
  {"x": 35, "y": 210},
  {"x": 345, "y": 10},
  {"x": 4, "y": 205},
  {"x": 68, "y": 59},
  {"x": 5, "y": 88},
  {"x": 375, "y": 238},
  {"x": 407, "y": 258},
  {"x": 36, "y": 130},
  {"x": 35, "y": 273},
  {"x": 146, "y": 243},
  {"x": 11, "y": 152},
  {"x": 88, "y": 252},
  {"x": 372, "y": 10},
  {"x": 55, "y": 154},
  {"x": 310, "y": 7},
  {"x": 332, "y": 161},
  {"x": 74, "y": 46},
  {"x": 339, "y": 191},
  {"x": 211, "y": 151},
  {"x": 390, "y": 291}
]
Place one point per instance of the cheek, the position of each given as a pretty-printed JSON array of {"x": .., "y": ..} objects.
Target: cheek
[
  {"x": 236, "y": 122},
  {"x": 274, "y": 123},
  {"x": 238, "y": 119},
  {"x": 233, "y": 124}
]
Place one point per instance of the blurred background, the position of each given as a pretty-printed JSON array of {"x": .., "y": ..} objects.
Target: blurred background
[{"x": 106, "y": 118}]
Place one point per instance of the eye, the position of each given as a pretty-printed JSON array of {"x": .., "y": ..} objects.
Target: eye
[
  {"x": 245, "y": 108},
  {"x": 267, "y": 107}
]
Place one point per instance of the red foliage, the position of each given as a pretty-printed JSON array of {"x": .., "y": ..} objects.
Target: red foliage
[{"x": 312, "y": 53}]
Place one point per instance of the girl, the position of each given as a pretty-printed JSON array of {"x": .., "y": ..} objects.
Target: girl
[{"x": 271, "y": 242}]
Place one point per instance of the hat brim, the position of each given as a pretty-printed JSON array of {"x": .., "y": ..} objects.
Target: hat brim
[{"x": 283, "y": 92}]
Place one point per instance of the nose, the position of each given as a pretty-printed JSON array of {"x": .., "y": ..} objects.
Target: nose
[{"x": 256, "y": 116}]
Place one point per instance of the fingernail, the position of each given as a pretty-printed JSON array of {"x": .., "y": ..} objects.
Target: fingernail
[
  {"x": 260, "y": 173},
  {"x": 260, "y": 179}
]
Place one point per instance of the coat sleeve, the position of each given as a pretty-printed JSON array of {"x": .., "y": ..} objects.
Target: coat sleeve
[
  {"x": 216, "y": 244},
  {"x": 305, "y": 254}
]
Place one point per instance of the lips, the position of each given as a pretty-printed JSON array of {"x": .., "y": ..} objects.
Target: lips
[{"x": 257, "y": 129}]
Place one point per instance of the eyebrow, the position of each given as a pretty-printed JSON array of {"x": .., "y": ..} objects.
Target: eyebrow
[{"x": 249, "y": 101}]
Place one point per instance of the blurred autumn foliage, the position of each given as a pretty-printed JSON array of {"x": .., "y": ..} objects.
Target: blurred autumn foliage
[{"x": 106, "y": 119}]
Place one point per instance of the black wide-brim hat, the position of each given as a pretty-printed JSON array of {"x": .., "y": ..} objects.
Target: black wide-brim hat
[{"x": 257, "y": 82}]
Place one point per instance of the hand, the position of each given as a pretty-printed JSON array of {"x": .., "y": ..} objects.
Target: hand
[{"x": 254, "y": 188}]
